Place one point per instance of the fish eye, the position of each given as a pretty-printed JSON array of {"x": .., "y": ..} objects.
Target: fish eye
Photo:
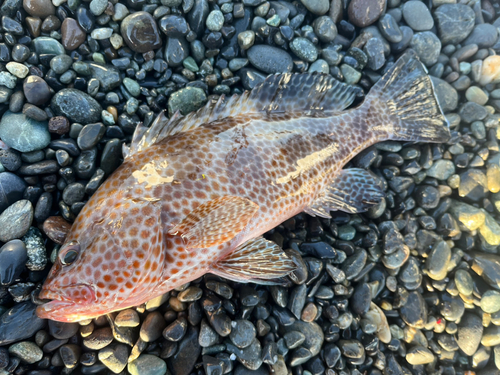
[{"x": 70, "y": 253}]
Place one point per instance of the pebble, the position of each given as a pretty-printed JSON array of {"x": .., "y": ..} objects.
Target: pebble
[
  {"x": 442, "y": 169},
  {"x": 17, "y": 69},
  {"x": 304, "y": 49},
  {"x": 76, "y": 106},
  {"x": 36, "y": 90},
  {"x": 39, "y": 8},
  {"x": 13, "y": 256},
  {"x": 242, "y": 333},
  {"x": 186, "y": 100},
  {"x": 490, "y": 70},
  {"x": 417, "y": 16},
  {"x": 183, "y": 361},
  {"x": 464, "y": 282},
  {"x": 483, "y": 35},
  {"x": 325, "y": 29},
  {"x": 72, "y": 34},
  {"x": 361, "y": 299},
  {"x": 363, "y": 13},
  {"x": 438, "y": 260},
  {"x": 147, "y": 364},
  {"x": 99, "y": 339},
  {"x": 12, "y": 189},
  {"x": 250, "y": 357},
  {"x": 140, "y": 32},
  {"x": 16, "y": 220},
  {"x": 27, "y": 351},
  {"x": 215, "y": 20},
  {"x": 19, "y": 322},
  {"x": 152, "y": 327},
  {"x": 317, "y": 7},
  {"x": 414, "y": 312},
  {"x": 469, "y": 333},
  {"x": 175, "y": 330},
  {"x": 490, "y": 301},
  {"x": 114, "y": 357},
  {"x": 127, "y": 318},
  {"x": 447, "y": 95},
  {"x": 61, "y": 330},
  {"x": 56, "y": 228},
  {"x": 270, "y": 59},
  {"x": 418, "y": 355},
  {"x": 454, "y": 22},
  {"x": 427, "y": 46}
]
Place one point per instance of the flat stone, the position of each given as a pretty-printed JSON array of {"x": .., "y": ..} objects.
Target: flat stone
[
  {"x": 454, "y": 22},
  {"x": 140, "y": 31},
  {"x": 27, "y": 351},
  {"x": 22, "y": 133},
  {"x": 19, "y": 322},
  {"x": 469, "y": 333},
  {"x": 147, "y": 364},
  {"x": 471, "y": 217},
  {"x": 77, "y": 106},
  {"x": 270, "y": 59},
  {"x": 438, "y": 260},
  {"x": 47, "y": 45},
  {"x": 483, "y": 35},
  {"x": 418, "y": 355},
  {"x": 363, "y": 13},
  {"x": 16, "y": 220},
  {"x": 414, "y": 312}
]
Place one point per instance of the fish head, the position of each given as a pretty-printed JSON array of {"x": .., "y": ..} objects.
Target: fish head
[{"x": 108, "y": 261}]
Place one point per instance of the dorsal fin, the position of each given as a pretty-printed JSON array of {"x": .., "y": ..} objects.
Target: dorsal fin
[{"x": 285, "y": 92}]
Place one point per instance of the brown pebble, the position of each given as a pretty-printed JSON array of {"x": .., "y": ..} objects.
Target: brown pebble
[
  {"x": 36, "y": 90},
  {"x": 363, "y": 13},
  {"x": 114, "y": 112},
  {"x": 33, "y": 112},
  {"x": 59, "y": 125},
  {"x": 140, "y": 31},
  {"x": 39, "y": 8},
  {"x": 56, "y": 228},
  {"x": 50, "y": 23},
  {"x": 72, "y": 35},
  {"x": 309, "y": 313},
  {"x": 33, "y": 24}
]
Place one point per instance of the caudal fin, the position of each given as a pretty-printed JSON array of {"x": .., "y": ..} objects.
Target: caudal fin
[{"x": 403, "y": 104}]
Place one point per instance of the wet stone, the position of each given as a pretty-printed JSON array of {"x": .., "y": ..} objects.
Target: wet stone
[
  {"x": 175, "y": 330},
  {"x": 60, "y": 330},
  {"x": 414, "y": 312},
  {"x": 447, "y": 95},
  {"x": 19, "y": 322},
  {"x": 304, "y": 49},
  {"x": 354, "y": 264},
  {"x": 108, "y": 76},
  {"x": 250, "y": 357},
  {"x": 22, "y": 133},
  {"x": 77, "y": 106},
  {"x": 186, "y": 100},
  {"x": 39, "y": 8},
  {"x": 441, "y": 169},
  {"x": 417, "y": 16},
  {"x": 438, "y": 260},
  {"x": 451, "y": 308},
  {"x": 242, "y": 333},
  {"x": 491, "y": 336},
  {"x": 361, "y": 299},
  {"x": 182, "y": 363},
  {"x": 16, "y": 220},
  {"x": 127, "y": 318},
  {"x": 208, "y": 336},
  {"x": 114, "y": 357},
  {"x": 13, "y": 256},
  {"x": 72, "y": 34},
  {"x": 27, "y": 351},
  {"x": 56, "y": 228},
  {"x": 418, "y": 355},
  {"x": 176, "y": 51},
  {"x": 147, "y": 364},
  {"x": 152, "y": 327},
  {"x": 270, "y": 59},
  {"x": 464, "y": 282},
  {"x": 427, "y": 46},
  {"x": 294, "y": 339},
  {"x": 470, "y": 330},
  {"x": 363, "y": 13},
  {"x": 490, "y": 301},
  {"x": 99, "y": 339}
]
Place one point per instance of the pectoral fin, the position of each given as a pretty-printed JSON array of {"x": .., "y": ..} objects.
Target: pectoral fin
[
  {"x": 215, "y": 222},
  {"x": 354, "y": 190},
  {"x": 259, "y": 261}
]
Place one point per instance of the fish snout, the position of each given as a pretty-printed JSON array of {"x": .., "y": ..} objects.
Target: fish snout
[{"x": 77, "y": 293}]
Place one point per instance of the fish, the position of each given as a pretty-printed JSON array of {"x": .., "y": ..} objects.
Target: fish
[{"x": 196, "y": 193}]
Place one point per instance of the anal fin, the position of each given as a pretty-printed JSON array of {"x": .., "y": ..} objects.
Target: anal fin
[
  {"x": 215, "y": 222},
  {"x": 258, "y": 261},
  {"x": 353, "y": 190}
]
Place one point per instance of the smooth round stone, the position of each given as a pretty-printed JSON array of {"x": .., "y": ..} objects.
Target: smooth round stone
[
  {"x": 61, "y": 63},
  {"x": 108, "y": 76},
  {"x": 20, "y": 322},
  {"x": 147, "y": 364},
  {"x": 140, "y": 32},
  {"x": 22, "y": 133},
  {"x": 17, "y": 69},
  {"x": 215, "y": 20},
  {"x": 61, "y": 330},
  {"x": 454, "y": 22},
  {"x": 176, "y": 52},
  {"x": 490, "y": 70},
  {"x": 36, "y": 90},
  {"x": 97, "y": 7},
  {"x": 77, "y": 106},
  {"x": 8, "y": 80},
  {"x": 72, "y": 35},
  {"x": 441, "y": 169},
  {"x": 11, "y": 189},
  {"x": 464, "y": 282},
  {"x": 414, "y": 312},
  {"x": 270, "y": 59},
  {"x": 127, "y": 318},
  {"x": 27, "y": 351},
  {"x": 320, "y": 66},
  {"x": 361, "y": 299},
  {"x": 417, "y": 16},
  {"x": 242, "y": 333},
  {"x": 476, "y": 95},
  {"x": 418, "y": 355},
  {"x": 469, "y": 333},
  {"x": 389, "y": 28},
  {"x": 16, "y": 220},
  {"x": 314, "y": 336},
  {"x": 317, "y": 7},
  {"x": 101, "y": 33},
  {"x": 90, "y": 135},
  {"x": 325, "y": 29},
  {"x": 47, "y": 45},
  {"x": 438, "y": 260},
  {"x": 152, "y": 327},
  {"x": 473, "y": 185},
  {"x": 13, "y": 256},
  {"x": 363, "y": 13},
  {"x": 39, "y": 8},
  {"x": 484, "y": 35},
  {"x": 183, "y": 361},
  {"x": 490, "y": 301},
  {"x": 114, "y": 357},
  {"x": 374, "y": 50},
  {"x": 99, "y": 339},
  {"x": 304, "y": 49},
  {"x": 56, "y": 228},
  {"x": 427, "y": 46},
  {"x": 186, "y": 100},
  {"x": 446, "y": 94},
  {"x": 174, "y": 26}
]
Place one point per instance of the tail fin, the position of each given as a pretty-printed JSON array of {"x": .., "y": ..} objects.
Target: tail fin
[{"x": 404, "y": 106}]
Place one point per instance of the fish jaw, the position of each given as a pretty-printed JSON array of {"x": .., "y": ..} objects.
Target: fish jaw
[{"x": 64, "y": 307}]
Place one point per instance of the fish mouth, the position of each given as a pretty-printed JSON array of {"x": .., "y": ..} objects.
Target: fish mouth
[{"x": 64, "y": 308}]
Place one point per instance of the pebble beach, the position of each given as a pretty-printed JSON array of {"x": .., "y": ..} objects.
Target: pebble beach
[{"x": 411, "y": 287}]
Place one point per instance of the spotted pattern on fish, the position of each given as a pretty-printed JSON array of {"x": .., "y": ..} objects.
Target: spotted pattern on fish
[{"x": 195, "y": 194}]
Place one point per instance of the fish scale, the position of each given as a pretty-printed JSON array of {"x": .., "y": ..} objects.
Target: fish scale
[{"x": 195, "y": 194}]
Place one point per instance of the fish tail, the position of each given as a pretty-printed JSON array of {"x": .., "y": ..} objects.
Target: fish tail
[{"x": 403, "y": 106}]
